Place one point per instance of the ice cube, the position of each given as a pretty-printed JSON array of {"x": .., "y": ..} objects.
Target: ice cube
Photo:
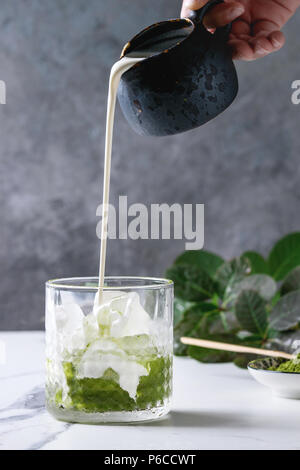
[
  {"x": 69, "y": 318},
  {"x": 69, "y": 326},
  {"x": 106, "y": 298},
  {"x": 138, "y": 321},
  {"x": 122, "y": 315}
]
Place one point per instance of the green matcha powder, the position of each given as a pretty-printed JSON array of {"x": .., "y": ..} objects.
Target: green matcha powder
[{"x": 288, "y": 366}]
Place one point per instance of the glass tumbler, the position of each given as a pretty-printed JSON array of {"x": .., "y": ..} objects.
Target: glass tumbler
[{"x": 109, "y": 352}]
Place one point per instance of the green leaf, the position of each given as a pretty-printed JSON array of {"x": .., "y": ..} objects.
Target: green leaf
[
  {"x": 209, "y": 262},
  {"x": 190, "y": 319},
  {"x": 264, "y": 285},
  {"x": 186, "y": 326},
  {"x": 257, "y": 262},
  {"x": 285, "y": 256},
  {"x": 286, "y": 313},
  {"x": 287, "y": 341},
  {"x": 180, "y": 306},
  {"x": 287, "y": 266},
  {"x": 183, "y": 328},
  {"x": 275, "y": 299},
  {"x": 230, "y": 273},
  {"x": 291, "y": 282},
  {"x": 192, "y": 283},
  {"x": 251, "y": 312},
  {"x": 216, "y": 322},
  {"x": 209, "y": 356}
]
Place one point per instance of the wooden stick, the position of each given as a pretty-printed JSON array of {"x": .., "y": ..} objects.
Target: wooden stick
[{"x": 235, "y": 348}]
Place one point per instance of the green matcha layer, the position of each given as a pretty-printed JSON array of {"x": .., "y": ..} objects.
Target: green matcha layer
[{"x": 105, "y": 394}]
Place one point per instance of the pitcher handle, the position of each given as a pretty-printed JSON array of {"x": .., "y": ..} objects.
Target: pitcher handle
[{"x": 197, "y": 17}]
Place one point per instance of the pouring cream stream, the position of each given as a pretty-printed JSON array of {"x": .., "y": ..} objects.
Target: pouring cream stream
[{"x": 117, "y": 71}]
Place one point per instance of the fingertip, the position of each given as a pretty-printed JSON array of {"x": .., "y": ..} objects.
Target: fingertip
[
  {"x": 241, "y": 50},
  {"x": 262, "y": 48},
  {"x": 236, "y": 8},
  {"x": 277, "y": 39}
]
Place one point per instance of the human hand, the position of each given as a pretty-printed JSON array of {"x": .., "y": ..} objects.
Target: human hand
[{"x": 256, "y": 28}]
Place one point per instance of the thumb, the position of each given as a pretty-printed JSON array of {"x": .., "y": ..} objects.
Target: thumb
[{"x": 189, "y": 5}]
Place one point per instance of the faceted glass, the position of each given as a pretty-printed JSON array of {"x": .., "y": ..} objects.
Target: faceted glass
[{"x": 109, "y": 359}]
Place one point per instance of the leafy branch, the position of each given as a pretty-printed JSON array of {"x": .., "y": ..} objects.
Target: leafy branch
[{"x": 249, "y": 300}]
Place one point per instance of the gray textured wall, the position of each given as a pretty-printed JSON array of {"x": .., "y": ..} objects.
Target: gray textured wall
[{"x": 55, "y": 57}]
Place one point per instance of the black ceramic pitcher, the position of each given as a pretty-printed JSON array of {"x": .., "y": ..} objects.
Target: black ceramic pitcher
[{"x": 188, "y": 83}]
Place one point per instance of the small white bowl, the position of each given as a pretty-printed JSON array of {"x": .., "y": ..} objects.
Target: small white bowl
[{"x": 282, "y": 384}]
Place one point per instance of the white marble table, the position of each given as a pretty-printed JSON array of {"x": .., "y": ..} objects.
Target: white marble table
[{"x": 215, "y": 407}]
